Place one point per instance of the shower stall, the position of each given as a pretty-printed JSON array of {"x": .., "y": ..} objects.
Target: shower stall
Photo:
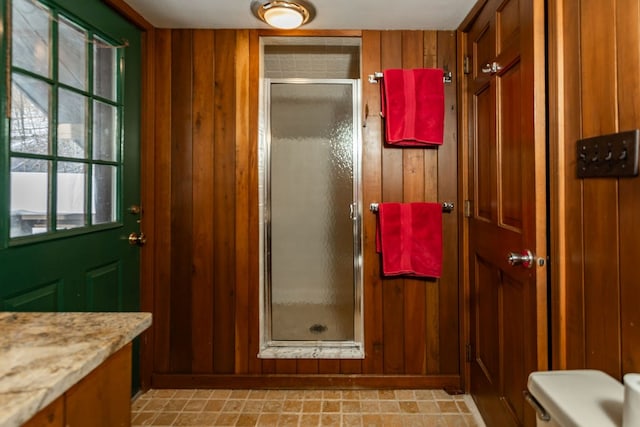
[{"x": 310, "y": 202}]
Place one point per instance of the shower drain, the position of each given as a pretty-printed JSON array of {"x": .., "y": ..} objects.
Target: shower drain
[{"x": 317, "y": 328}]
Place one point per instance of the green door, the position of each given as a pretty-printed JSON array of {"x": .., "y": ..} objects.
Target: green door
[{"x": 69, "y": 157}]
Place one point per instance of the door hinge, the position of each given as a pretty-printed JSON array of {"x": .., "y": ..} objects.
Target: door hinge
[
  {"x": 466, "y": 65},
  {"x": 467, "y": 208},
  {"x": 469, "y": 353}
]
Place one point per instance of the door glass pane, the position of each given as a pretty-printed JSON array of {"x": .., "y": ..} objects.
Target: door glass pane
[
  {"x": 30, "y": 37},
  {"x": 71, "y": 205},
  {"x": 72, "y": 55},
  {"x": 104, "y": 70},
  {"x": 29, "y": 196},
  {"x": 104, "y": 203},
  {"x": 72, "y": 119},
  {"x": 104, "y": 132},
  {"x": 312, "y": 241},
  {"x": 29, "y": 115}
]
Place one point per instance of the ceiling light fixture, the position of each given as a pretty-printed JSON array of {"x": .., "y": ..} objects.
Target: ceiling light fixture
[{"x": 283, "y": 14}]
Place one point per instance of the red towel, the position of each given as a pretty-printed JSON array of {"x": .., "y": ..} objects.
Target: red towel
[
  {"x": 413, "y": 106},
  {"x": 409, "y": 236}
]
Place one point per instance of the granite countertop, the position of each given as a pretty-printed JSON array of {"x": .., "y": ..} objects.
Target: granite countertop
[{"x": 42, "y": 355}]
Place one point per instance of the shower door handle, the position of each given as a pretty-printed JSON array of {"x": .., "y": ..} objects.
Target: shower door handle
[{"x": 353, "y": 211}]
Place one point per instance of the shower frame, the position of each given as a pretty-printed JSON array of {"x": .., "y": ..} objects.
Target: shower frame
[{"x": 315, "y": 349}]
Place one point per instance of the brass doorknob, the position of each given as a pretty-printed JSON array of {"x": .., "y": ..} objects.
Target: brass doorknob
[{"x": 137, "y": 239}]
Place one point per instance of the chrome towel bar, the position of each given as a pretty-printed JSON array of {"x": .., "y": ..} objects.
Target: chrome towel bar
[
  {"x": 373, "y": 78},
  {"x": 446, "y": 207}
]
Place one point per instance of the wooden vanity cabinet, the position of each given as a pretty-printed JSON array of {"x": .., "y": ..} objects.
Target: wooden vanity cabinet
[{"x": 101, "y": 399}]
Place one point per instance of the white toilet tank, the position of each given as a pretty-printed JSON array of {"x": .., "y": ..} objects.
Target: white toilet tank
[{"x": 577, "y": 398}]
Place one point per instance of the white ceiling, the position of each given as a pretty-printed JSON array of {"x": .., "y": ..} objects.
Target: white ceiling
[{"x": 330, "y": 14}]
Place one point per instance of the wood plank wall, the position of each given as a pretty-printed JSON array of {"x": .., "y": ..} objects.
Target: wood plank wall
[
  {"x": 205, "y": 284},
  {"x": 594, "y": 90}
]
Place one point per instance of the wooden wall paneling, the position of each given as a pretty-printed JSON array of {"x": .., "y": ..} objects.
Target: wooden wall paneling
[
  {"x": 268, "y": 366},
  {"x": 307, "y": 366},
  {"x": 286, "y": 366},
  {"x": 162, "y": 232},
  {"x": 243, "y": 149},
  {"x": 203, "y": 208},
  {"x": 224, "y": 188},
  {"x": 253, "y": 300},
  {"x": 147, "y": 202},
  {"x": 431, "y": 179},
  {"x": 448, "y": 286},
  {"x": 567, "y": 281},
  {"x": 392, "y": 288},
  {"x": 628, "y": 60},
  {"x": 181, "y": 199},
  {"x": 371, "y": 193},
  {"x": 350, "y": 366},
  {"x": 206, "y": 171},
  {"x": 415, "y": 163},
  {"x": 329, "y": 366},
  {"x": 602, "y": 289}
]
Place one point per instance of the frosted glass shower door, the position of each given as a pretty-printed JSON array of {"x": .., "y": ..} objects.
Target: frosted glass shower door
[{"x": 313, "y": 228}]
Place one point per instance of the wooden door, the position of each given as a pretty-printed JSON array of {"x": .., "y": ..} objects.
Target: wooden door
[{"x": 507, "y": 191}]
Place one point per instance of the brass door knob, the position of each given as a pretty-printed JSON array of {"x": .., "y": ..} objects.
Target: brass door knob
[{"x": 137, "y": 239}]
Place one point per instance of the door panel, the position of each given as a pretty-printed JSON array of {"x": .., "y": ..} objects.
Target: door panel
[
  {"x": 40, "y": 298},
  {"x": 513, "y": 304},
  {"x": 506, "y": 175},
  {"x": 485, "y": 163},
  {"x": 486, "y": 332},
  {"x": 508, "y": 26},
  {"x": 510, "y": 148},
  {"x": 102, "y": 295}
]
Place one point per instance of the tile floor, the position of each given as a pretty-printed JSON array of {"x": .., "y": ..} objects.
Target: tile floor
[{"x": 401, "y": 408}]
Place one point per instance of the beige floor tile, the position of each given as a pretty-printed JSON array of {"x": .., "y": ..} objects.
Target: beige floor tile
[
  {"x": 448, "y": 407},
  {"x": 405, "y": 395},
  {"x": 309, "y": 420},
  {"x": 268, "y": 420},
  {"x": 423, "y": 394},
  {"x": 352, "y": 420},
  {"x": 292, "y": 406},
  {"x": 407, "y": 406},
  {"x": 272, "y": 406},
  {"x": 428, "y": 406},
  {"x": 195, "y": 405},
  {"x": 312, "y": 406},
  {"x": 143, "y": 418},
  {"x": 288, "y": 420},
  {"x": 247, "y": 420},
  {"x": 372, "y": 420},
  {"x": 351, "y": 406},
  {"x": 389, "y": 406},
  {"x": 227, "y": 419},
  {"x": 330, "y": 419},
  {"x": 214, "y": 405},
  {"x": 165, "y": 419},
  {"x": 233, "y": 406},
  {"x": 174, "y": 405},
  {"x": 331, "y": 406},
  {"x": 257, "y": 394},
  {"x": 220, "y": 394},
  {"x": 369, "y": 406}
]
